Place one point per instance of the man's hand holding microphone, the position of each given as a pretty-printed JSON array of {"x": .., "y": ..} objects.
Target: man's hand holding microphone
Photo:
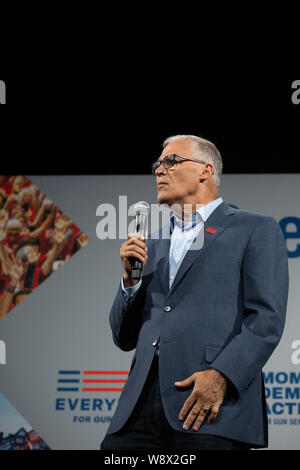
[
  {"x": 133, "y": 248},
  {"x": 133, "y": 251}
]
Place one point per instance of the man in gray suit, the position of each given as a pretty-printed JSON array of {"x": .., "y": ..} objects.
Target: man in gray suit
[{"x": 204, "y": 319}]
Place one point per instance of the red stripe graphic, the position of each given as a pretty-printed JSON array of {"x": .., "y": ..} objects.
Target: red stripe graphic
[
  {"x": 104, "y": 381},
  {"x": 102, "y": 389},
  {"x": 106, "y": 372}
]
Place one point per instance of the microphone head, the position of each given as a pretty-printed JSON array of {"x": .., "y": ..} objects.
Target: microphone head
[{"x": 142, "y": 207}]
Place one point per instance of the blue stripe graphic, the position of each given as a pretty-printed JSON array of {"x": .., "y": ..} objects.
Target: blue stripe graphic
[
  {"x": 69, "y": 380},
  {"x": 69, "y": 371},
  {"x": 68, "y": 389}
]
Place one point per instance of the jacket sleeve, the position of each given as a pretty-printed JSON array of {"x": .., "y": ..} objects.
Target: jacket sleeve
[
  {"x": 265, "y": 293},
  {"x": 126, "y": 318}
]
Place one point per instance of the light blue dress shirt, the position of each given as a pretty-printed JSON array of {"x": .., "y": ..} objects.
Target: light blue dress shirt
[{"x": 182, "y": 236}]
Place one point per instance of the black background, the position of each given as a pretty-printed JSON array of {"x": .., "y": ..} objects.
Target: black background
[{"x": 85, "y": 100}]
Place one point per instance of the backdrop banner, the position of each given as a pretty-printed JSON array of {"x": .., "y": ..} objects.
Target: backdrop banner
[{"x": 59, "y": 367}]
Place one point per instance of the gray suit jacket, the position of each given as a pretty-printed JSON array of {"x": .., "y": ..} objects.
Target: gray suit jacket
[{"x": 227, "y": 312}]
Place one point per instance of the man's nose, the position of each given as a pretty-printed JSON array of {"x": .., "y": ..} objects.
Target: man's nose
[{"x": 160, "y": 170}]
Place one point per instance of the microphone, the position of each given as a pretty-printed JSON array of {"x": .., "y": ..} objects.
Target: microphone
[{"x": 141, "y": 210}]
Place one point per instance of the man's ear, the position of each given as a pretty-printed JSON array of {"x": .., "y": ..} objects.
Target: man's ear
[
  {"x": 207, "y": 171},
  {"x": 209, "y": 168}
]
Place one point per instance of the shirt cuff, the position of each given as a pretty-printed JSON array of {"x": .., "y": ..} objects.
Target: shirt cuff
[{"x": 129, "y": 292}]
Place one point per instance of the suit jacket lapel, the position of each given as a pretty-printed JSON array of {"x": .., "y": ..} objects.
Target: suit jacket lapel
[{"x": 218, "y": 220}]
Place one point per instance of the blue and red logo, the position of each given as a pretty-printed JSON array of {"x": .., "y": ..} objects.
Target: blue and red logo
[{"x": 91, "y": 380}]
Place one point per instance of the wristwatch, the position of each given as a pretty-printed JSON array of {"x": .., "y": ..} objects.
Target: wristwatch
[{"x": 11, "y": 289}]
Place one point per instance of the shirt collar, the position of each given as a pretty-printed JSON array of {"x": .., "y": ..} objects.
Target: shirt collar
[{"x": 200, "y": 215}]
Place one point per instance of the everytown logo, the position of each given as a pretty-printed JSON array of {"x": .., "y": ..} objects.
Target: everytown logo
[{"x": 72, "y": 384}]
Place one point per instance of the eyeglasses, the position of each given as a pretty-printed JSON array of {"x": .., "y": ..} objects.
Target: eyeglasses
[{"x": 171, "y": 160}]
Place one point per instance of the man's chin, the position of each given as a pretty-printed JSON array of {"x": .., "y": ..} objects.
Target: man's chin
[
  {"x": 164, "y": 196},
  {"x": 161, "y": 199}
]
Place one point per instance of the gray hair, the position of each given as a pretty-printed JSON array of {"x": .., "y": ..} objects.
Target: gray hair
[{"x": 206, "y": 150}]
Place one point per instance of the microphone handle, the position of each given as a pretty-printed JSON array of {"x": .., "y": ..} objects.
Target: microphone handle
[
  {"x": 141, "y": 222},
  {"x": 136, "y": 269}
]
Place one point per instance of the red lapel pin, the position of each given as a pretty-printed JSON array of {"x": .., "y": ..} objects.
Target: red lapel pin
[{"x": 211, "y": 230}]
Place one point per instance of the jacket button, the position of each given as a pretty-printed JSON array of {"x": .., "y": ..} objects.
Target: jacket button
[{"x": 167, "y": 308}]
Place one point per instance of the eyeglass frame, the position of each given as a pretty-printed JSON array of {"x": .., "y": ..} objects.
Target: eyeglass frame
[{"x": 174, "y": 162}]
